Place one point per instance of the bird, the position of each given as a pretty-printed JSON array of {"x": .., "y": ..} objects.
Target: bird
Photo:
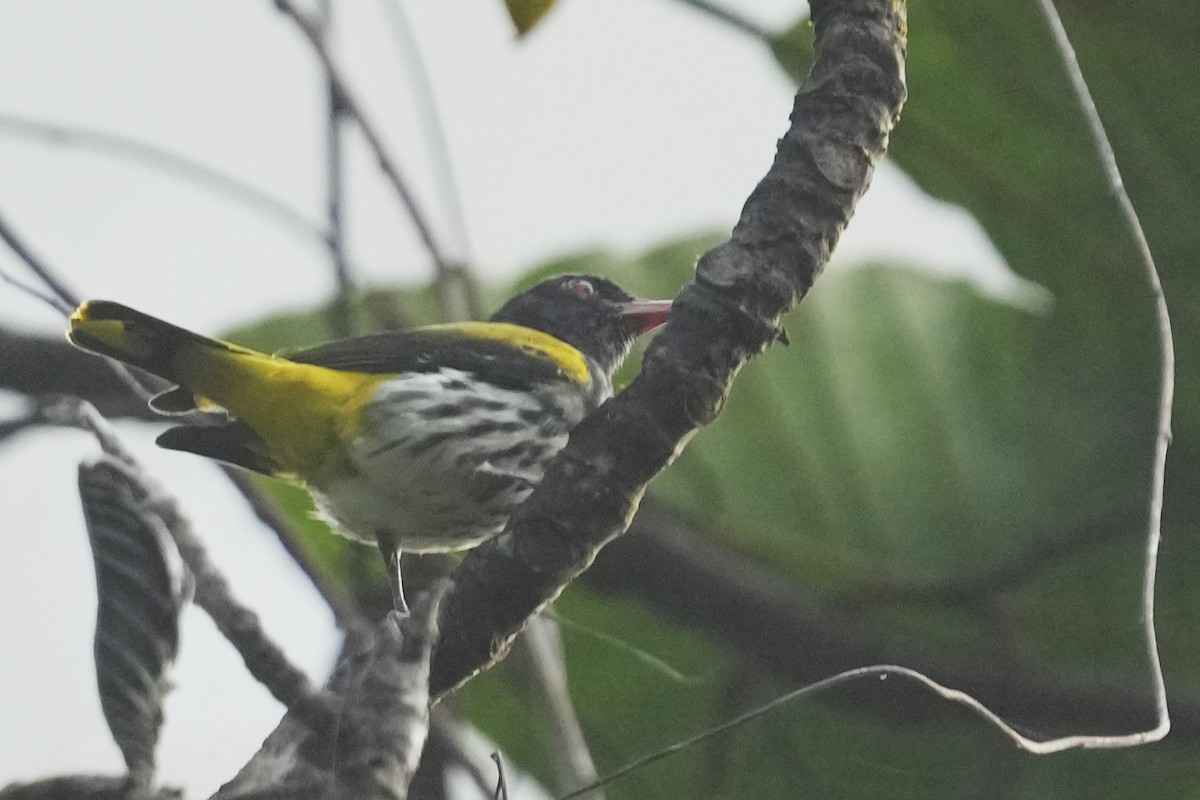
[{"x": 419, "y": 440}]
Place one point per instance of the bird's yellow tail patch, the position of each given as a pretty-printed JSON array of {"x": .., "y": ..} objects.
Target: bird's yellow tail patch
[{"x": 303, "y": 413}]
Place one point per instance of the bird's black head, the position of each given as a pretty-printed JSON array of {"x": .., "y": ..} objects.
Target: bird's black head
[{"x": 594, "y": 315}]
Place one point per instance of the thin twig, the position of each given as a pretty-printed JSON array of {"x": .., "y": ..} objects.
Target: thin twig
[
  {"x": 572, "y": 761},
  {"x": 264, "y": 659},
  {"x": 63, "y": 299},
  {"x": 55, "y": 302},
  {"x": 345, "y": 611},
  {"x": 501, "y": 783},
  {"x": 730, "y": 18},
  {"x": 1166, "y": 390},
  {"x": 67, "y": 300},
  {"x": 435, "y": 135},
  {"x": 170, "y": 163},
  {"x": 880, "y": 671},
  {"x": 389, "y": 167},
  {"x": 74, "y": 413},
  {"x": 341, "y": 310}
]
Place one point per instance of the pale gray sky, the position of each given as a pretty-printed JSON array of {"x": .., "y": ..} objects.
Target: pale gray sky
[{"x": 618, "y": 123}]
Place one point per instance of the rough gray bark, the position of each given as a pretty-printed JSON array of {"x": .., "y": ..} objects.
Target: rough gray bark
[{"x": 839, "y": 128}]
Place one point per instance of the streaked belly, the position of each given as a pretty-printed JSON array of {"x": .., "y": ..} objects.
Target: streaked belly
[{"x": 444, "y": 459}]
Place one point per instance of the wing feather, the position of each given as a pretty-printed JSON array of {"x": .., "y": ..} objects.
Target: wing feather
[{"x": 483, "y": 349}]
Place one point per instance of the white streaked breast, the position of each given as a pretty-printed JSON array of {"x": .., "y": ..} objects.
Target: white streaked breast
[{"x": 445, "y": 457}]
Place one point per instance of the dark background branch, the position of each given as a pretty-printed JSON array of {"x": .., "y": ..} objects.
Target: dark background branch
[
  {"x": 83, "y": 787},
  {"x": 40, "y": 366},
  {"x": 673, "y": 568}
]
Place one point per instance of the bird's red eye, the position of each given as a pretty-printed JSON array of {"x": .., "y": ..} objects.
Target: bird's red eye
[{"x": 581, "y": 288}]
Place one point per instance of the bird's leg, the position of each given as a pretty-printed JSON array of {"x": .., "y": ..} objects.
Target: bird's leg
[{"x": 391, "y": 558}]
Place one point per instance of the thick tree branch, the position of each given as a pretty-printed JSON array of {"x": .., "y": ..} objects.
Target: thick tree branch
[
  {"x": 381, "y": 682},
  {"x": 728, "y": 314},
  {"x": 386, "y": 718}
]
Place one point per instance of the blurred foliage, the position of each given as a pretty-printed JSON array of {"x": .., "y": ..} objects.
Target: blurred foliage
[{"x": 918, "y": 434}]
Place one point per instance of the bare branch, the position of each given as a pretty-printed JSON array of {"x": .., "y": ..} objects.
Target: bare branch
[
  {"x": 371, "y": 750},
  {"x": 541, "y": 643},
  {"x": 1166, "y": 393},
  {"x": 730, "y": 17},
  {"x": 790, "y": 223},
  {"x": 170, "y": 163},
  {"x": 50, "y": 300},
  {"x": 386, "y": 718},
  {"x": 459, "y": 288},
  {"x": 66, "y": 299},
  {"x": 345, "y": 610},
  {"x": 342, "y": 307},
  {"x": 448, "y": 271},
  {"x": 264, "y": 659}
]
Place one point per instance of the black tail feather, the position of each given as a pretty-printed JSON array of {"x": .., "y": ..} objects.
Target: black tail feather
[{"x": 234, "y": 443}]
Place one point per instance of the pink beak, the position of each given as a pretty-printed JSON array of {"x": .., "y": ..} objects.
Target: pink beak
[{"x": 648, "y": 313}]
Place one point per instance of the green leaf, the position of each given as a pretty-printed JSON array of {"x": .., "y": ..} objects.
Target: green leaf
[
  {"x": 992, "y": 124},
  {"x": 527, "y": 13}
]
